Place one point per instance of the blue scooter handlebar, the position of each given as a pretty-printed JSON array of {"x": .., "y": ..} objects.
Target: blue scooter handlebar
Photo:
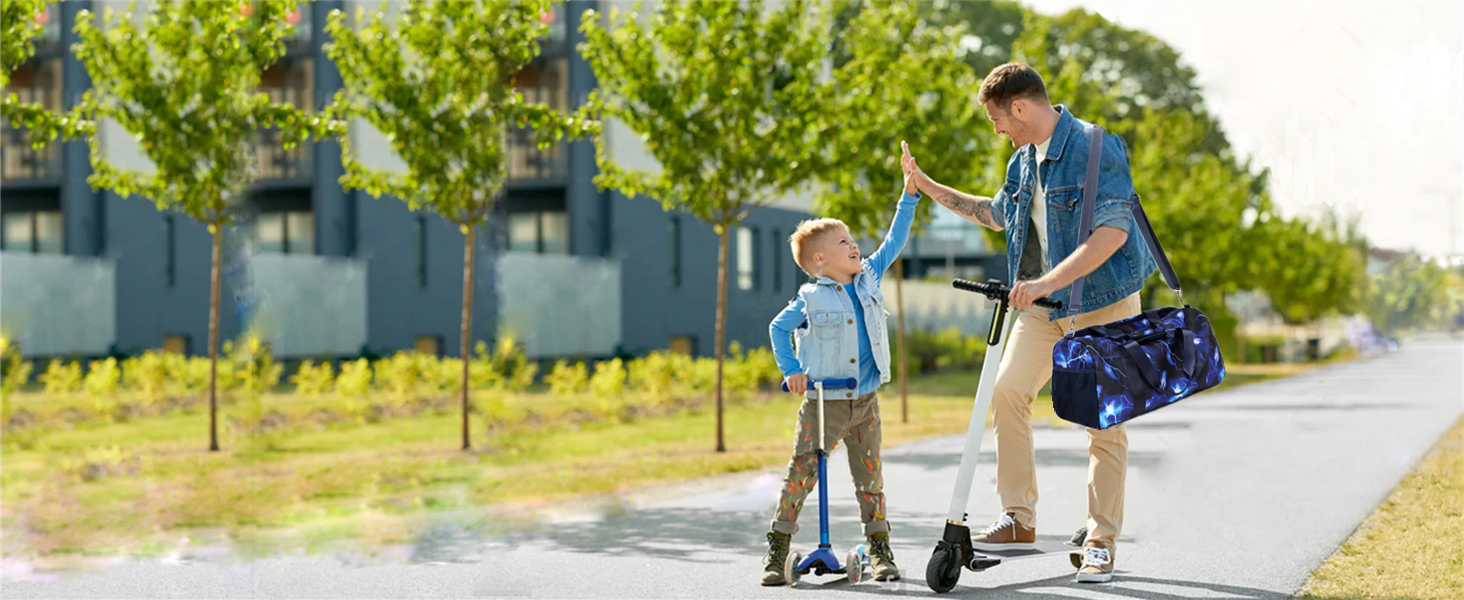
[{"x": 832, "y": 384}]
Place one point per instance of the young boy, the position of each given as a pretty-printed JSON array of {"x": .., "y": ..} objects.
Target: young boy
[{"x": 839, "y": 322}]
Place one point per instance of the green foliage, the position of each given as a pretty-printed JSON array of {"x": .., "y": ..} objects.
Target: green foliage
[
  {"x": 567, "y": 379},
  {"x": 254, "y": 368},
  {"x": 96, "y": 462},
  {"x": 14, "y": 370},
  {"x": 906, "y": 79},
  {"x": 313, "y": 380},
  {"x": 62, "y": 377},
  {"x": 103, "y": 378},
  {"x": 609, "y": 378},
  {"x": 751, "y": 371},
  {"x": 18, "y": 29},
  {"x": 399, "y": 375},
  {"x": 509, "y": 365},
  {"x": 437, "y": 80},
  {"x": 148, "y": 374},
  {"x": 932, "y": 351},
  {"x": 1407, "y": 295},
  {"x": 726, "y": 97},
  {"x": 355, "y": 379},
  {"x": 183, "y": 82}
]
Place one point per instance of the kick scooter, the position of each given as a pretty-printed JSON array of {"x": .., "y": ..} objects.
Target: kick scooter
[
  {"x": 954, "y": 550},
  {"x": 822, "y": 560}
]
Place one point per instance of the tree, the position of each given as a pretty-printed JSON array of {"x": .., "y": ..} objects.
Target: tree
[
  {"x": 907, "y": 81},
  {"x": 438, "y": 82},
  {"x": 183, "y": 83},
  {"x": 1408, "y": 294},
  {"x": 727, "y": 97}
]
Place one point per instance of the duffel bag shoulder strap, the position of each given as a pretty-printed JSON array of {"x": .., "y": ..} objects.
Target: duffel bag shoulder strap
[{"x": 1085, "y": 227}]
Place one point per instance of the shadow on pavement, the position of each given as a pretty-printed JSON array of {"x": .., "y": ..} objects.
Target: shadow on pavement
[{"x": 1062, "y": 588}]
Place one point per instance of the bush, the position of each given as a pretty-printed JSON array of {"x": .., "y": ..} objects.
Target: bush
[
  {"x": 609, "y": 379},
  {"x": 313, "y": 380},
  {"x": 399, "y": 376},
  {"x": 146, "y": 374},
  {"x": 62, "y": 378},
  {"x": 255, "y": 370},
  {"x": 948, "y": 349},
  {"x": 14, "y": 371},
  {"x": 566, "y": 379},
  {"x": 653, "y": 375},
  {"x": 510, "y": 365},
  {"x": 103, "y": 378}
]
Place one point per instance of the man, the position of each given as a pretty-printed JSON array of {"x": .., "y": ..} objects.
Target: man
[{"x": 1039, "y": 207}]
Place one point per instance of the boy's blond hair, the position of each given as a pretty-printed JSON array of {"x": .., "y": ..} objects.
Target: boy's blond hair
[{"x": 806, "y": 237}]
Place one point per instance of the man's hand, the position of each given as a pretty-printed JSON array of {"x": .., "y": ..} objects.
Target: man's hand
[
  {"x": 1024, "y": 293},
  {"x": 797, "y": 383}
]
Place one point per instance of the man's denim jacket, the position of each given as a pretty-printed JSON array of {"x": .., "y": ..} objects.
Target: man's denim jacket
[{"x": 1063, "y": 173}]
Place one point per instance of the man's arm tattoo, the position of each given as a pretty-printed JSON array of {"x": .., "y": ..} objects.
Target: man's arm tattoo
[{"x": 973, "y": 208}]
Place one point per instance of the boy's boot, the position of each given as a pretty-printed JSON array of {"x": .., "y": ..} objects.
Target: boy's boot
[
  {"x": 882, "y": 558},
  {"x": 778, "y": 545}
]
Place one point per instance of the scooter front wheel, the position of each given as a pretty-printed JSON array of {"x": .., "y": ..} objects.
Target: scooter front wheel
[
  {"x": 944, "y": 569},
  {"x": 854, "y": 566},
  {"x": 790, "y": 568}
]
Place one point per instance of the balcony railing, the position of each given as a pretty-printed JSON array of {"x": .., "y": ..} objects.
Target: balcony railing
[
  {"x": 278, "y": 164},
  {"x": 528, "y": 164},
  {"x": 23, "y": 164}
]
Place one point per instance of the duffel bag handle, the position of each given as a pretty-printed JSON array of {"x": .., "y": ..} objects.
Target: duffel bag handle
[{"x": 1085, "y": 227}]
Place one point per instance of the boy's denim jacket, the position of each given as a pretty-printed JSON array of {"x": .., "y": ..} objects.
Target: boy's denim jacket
[
  {"x": 1063, "y": 172},
  {"x": 821, "y": 318}
]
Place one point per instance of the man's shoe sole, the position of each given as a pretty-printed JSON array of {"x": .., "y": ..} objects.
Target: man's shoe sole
[{"x": 1094, "y": 577}]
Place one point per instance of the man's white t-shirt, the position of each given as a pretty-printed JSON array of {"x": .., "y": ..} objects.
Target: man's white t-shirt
[{"x": 1039, "y": 204}]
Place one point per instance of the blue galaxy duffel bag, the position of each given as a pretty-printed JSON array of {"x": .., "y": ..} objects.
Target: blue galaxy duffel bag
[{"x": 1109, "y": 374}]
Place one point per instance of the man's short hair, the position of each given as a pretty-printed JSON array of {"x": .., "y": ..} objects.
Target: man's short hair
[
  {"x": 807, "y": 236},
  {"x": 1010, "y": 82}
]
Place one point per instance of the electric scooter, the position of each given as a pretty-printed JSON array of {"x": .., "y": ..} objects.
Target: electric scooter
[
  {"x": 954, "y": 550},
  {"x": 822, "y": 561}
]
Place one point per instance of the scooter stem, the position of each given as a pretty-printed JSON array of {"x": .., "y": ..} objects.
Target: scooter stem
[{"x": 977, "y": 428}]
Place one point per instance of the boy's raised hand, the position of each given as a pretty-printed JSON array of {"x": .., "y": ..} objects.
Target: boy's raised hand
[
  {"x": 797, "y": 383},
  {"x": 912, "y": 172}
]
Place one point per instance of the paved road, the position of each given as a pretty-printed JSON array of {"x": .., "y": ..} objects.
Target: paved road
[{"x": 1234, "y": 494}]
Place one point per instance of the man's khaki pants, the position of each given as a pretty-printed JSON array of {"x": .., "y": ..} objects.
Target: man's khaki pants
[{"x": 1026, "y": 366}]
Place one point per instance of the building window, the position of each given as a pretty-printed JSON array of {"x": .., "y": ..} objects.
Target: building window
[
  {"x": 419, "y": 245},
  {"x": 170, "y": 246},
  {"x": 286, "y": 232},
  {"x": 39, "y": 232},
  {"x": 429, "y": 345},
  {"x": 544, "y": 82},
  {"x": 747, "y": 256},
  {"x": 176, "y": 344},
  {"x": 674, "y": 247},
  {"x": 37, "y": 81},
  {"x": 539, "y": 232},
  {"x": 683, "y": 344},
  {"x": 287, "y": 82}
]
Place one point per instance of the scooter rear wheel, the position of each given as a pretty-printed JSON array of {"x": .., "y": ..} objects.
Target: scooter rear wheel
[
  {"x": 854, "y": 566},
  {"x": 944, "y": 569}
]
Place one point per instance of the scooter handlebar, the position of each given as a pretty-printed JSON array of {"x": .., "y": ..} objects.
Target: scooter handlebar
[
  {"x": 998, "y": 291},
  {"x": 832, "y": 384}
]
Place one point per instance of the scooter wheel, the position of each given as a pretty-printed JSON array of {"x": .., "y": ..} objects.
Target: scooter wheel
[
  {"x": 863, "y": 551},
  {"x": 790, "y": 568},
  {"x": 944, "y": 569},
  {"x": 853, "y": 566}
]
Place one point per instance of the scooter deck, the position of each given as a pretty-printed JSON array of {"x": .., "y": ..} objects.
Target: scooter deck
[{"x": 986, "y": 559}]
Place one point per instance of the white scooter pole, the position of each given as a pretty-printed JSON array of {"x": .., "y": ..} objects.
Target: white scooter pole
[{"x": 977, "y": 428}]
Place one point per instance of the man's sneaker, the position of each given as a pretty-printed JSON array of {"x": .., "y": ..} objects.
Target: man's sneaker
[
  {"x": 778, "y": 544},
  {"x": 882, "y": 558},
  {"x": 1094, "y": 563},
  {"x": 1005, "y": 534}
]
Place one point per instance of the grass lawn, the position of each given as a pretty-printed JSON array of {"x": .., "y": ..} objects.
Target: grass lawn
[
  {"x": 71, "y": 485},
  {"x": 1413, "y": 545}
]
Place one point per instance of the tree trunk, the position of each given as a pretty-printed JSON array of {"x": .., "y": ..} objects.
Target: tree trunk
[
  {"x": 721, "y": 325},
  {"x": 466, "y": 337},
  {"x": 213, "y": 338},
  {"x": 904, "y": 365}
]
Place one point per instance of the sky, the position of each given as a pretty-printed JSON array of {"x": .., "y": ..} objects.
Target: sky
[{"x": 1356, "y": 108}]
